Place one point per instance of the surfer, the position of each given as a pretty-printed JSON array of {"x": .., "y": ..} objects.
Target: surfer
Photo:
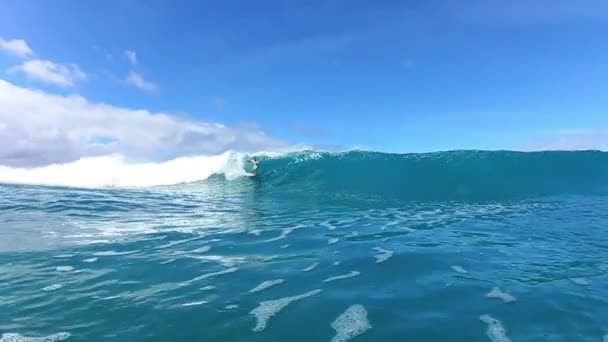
[{"x": 256, "y": 164}]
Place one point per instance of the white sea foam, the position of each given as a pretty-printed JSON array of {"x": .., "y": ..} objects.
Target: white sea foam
[
  {"x": 580, "y": 281},
  {"x": 90, "y": 260},
  {"x": 178, "y": 242},
  {"x": 64, "y": 256},
  {"x": 327, "y": 225},
  {"x": 195, "y": 303},
  {"x": 332, "y": 241},
  {"x": 496, "y": 331},
  {"x": 203, "y": 249},
  {"x": 207, "y": 288},
  {"x": 352, "y": 323},
  {"x": 226, "y": 261},
  {"x": 346, "y": 221},
  {"x": 384, "y": 254},
  {"x": 255, "y": 232},
  {"x": 213, "y": 274},
  {"x": 269, "y": 308},
  {"x": 111, "y": 297},
  {"x": 353, "y": 234},
  {"x": 231, "y": 307},
  {"x": 266, "y": 284},
  {"x": 115, "y": 170},
  {"x": 390, "y": 224},
  {"x": 64, "y": 268},
  {"x": 53, "y": 287},
  {"x": 311, "y": 267},
  {"x": 167, "y": 261},
  {"x": 285, "y": 232},
  {"x": 285, "y": 246},
  {"x": 497, "y": 293},
  {"x": 337, "y": 263},
  {"x": 114, "y": 253},
  {"x": 10, "y": 337},
  {"x": 459, "y": 269},
  {"x": 343, "y": 276}
]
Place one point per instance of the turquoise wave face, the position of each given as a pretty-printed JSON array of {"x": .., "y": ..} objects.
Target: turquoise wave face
[{"x": 442, "y": 176}]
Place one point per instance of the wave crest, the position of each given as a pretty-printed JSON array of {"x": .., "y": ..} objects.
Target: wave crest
[{"x": 115, "y": 170}]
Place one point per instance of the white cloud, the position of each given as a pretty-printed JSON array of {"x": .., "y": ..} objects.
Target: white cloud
[
  {"x": 16, "y": 47},
  {"x": 138, "y": 80},
  {"x": 38, "y": 128},
  {"x": 50, "y": 72},
  {"x": 593, "y": 139},
  {"x": 131, "y": 56}
]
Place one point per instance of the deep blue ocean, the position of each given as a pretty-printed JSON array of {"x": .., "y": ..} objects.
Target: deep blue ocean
[{"x": 451, "y": 246}]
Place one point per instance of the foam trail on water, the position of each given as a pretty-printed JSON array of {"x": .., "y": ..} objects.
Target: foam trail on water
[
  {"x": 111, "y": 297},
  {"x": 90, "y": 260},
  {"x": 64, "y": 256},
  {"x": 269, "y": 308},
  {"x": 311, "y": 267},
  {"x": 344, "y": 276},
  {"x": 255, "y": 232},
  {"x": 114, "y": 253},
  {"x": 499, "y": 294},
  {"x": 496, "y": 331},
  {"x": 178, "y": 242},
  {"x": 285, "y": 232},
  {"x": 327, "y": 225},
  {"x": 384, "y": 254},
  {"x": 64, "y": 268},
  {"x": 115, "y": 170},
  {"x": 203, "y": 249},
  {"x": 580, "y": 281},
  {"x": 459, "y": 269},
  {"x": 10, "y": 337},
  {"x": 266, "y": 284},
  {"x": 352, "y": 323},
  {"x": 213, "y": 274},
  {"x": 227, "y": 261},
  {"x": 53, "y": 287},
  {"x": 195, "y": 303}
]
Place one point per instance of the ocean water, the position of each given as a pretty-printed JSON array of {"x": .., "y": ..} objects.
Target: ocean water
[{"x": 362, "y": 246}]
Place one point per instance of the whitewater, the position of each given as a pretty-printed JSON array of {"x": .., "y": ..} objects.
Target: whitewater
[
  {"x": 319, "y": 246},
  {"x": 116, "y": 170}
]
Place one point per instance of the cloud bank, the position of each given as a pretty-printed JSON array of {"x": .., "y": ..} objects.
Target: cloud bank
[
  {"x": 38, "y": 128},
  {"x": 49, "y": 72},
  {"x": 17, "y": 47}
]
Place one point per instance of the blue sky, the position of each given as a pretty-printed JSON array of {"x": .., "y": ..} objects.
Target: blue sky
[{"x": 387, "y": 75}]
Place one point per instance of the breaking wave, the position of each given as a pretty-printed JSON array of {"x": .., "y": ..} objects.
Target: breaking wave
[{"x": 455, "y": 175}]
